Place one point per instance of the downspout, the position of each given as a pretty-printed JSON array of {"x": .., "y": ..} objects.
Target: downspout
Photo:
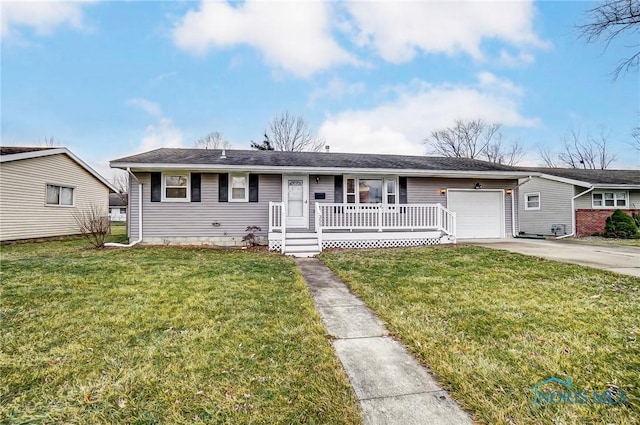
[
  {"x": 513, "y": 206},
  {"x": 573, "y": 213},
  {"x": 130, "y": 244}
]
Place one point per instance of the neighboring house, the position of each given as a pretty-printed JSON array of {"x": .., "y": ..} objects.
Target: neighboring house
[
  {"x": 306, "y": 201},
  {"x": 576, "y": 202},
  {"x": 41, "y": 189},
  {"x": 118, "y": 206}
]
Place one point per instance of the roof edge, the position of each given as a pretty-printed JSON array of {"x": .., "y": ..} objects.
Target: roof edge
[{"x": 57, "y": 151}]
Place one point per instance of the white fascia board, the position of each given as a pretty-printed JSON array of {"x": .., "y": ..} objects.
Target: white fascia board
[
  {"x": 565, "y": 180},
  {"x": 137, "y": 167},
  {"x": 617, "y": 186},
  {"x": 57, "y": 151}
]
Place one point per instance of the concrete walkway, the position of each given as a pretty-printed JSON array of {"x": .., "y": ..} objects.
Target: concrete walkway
[
  {"x": 391, "y": 386},
  {"x": 619, "y": 259}
]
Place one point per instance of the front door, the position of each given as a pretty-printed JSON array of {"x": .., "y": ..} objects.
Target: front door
[{"x": 296, "y": 199}]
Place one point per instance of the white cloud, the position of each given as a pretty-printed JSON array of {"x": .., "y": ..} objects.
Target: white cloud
[
  {"x": 336, "y": 89},
  {"x": 148, "y": 106},
  {"x": 294, "y": 36},
  {"x": 401, "y": 125},
  {"x": 42, "y": 16},
  {"x": 163, "y": 134},
  {"x": 398, "y": 30},
  {"x": 512, "y": 61}
]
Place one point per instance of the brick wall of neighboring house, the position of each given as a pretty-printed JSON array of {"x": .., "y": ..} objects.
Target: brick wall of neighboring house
[{"x": 590, "y": 221}]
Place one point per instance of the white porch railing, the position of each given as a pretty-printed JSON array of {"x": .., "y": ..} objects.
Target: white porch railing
[
  {"x": 278, "y": 220},
  {"x": 381, "y": 217}
]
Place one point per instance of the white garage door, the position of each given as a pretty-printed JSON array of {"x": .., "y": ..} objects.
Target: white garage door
[{"x": 479, "y": 214}]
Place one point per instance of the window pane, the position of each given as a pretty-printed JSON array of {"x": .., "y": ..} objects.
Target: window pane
[
  {"x": 391, "y": 199},
  {"x": 53, "y": 194},
  {"x": 609, "y": 203},
  {"x": 237, "y": 193},
  {"x": 238, "y": 181},
  {"x": 66, "y": 196},
  {"x": 621, "y": 202},
  {"x": 176, "y": 181},
  {"x": 351, "y": 199},
  {"x": 351, "y": 186},
  {"x": 608, "y": 196},
  {"x": 597, "y": 199},
  {"x": 370, "y": 191},
  {"x": 391, "y": 186},
  {"x": 176, "y": 193},
  {"x": 123, "y": 210},
  {"x": 533, "y": 201}
]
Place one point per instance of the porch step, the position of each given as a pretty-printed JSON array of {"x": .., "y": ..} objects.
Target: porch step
[{"x": 301, "y": 244}]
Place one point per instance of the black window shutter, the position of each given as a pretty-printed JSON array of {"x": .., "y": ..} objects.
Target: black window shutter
[
  {"x": 223, "y": 187},
  {"x": 253, "y": 187},
  {"x": 156, "y": 187},
  {"x": 402, "y": 182},
  {"x": 338, "y": 196},
  {"x": 196, "y": 180}
]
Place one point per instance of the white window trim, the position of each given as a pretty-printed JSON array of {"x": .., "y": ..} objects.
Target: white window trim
[
  {"x": 526, "y": 201},
  {"x": 73, "y": 195},
  {"x": 164, "y": 188},
  {"x": 384, "y": 188},
  {"x": 230, "y": 189},
  {"x": 615, "y": 200}
]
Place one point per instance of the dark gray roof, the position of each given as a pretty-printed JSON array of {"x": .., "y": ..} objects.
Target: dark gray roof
[
  {"x": 595, "y": 177},
  {"x": 12, "y": 150},
  {"x": 118, "y": 199},
  {"x": 308, "y": 159}
]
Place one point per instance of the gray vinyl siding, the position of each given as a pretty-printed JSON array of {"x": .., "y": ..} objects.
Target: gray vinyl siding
[
  {"x": 555, "y": 206},
  {"x": 195, "y": 219},
  {"x": 326, "y": 185},
  {"x": 133, "y": 216},
  {"x": 585, "y": 201},
  {"x": 426, "y": 190},
  {"x": 23, "y": 212}
]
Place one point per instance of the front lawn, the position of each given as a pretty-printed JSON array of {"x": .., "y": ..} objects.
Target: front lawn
[
  {"x": 162, "y": 335},
  {"x": 492, "y": 324}
]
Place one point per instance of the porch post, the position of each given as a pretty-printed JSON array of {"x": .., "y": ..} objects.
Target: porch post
[{"x": 379, "y": 217}]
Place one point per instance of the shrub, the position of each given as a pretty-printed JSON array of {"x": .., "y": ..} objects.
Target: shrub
[
  {"x": 94, "y": 224},
  {"x": 620, "y": 225},
  {"x": 250, "y": 238},
  {"x": 636, "y": 218}
]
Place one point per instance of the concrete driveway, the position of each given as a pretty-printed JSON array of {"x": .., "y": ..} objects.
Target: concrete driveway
[{"x": 619, "y": 259}]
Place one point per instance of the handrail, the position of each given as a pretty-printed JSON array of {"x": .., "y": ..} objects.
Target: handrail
[
  {"x": 318, "y": 226},
  {"x": 380, "y": 217}
]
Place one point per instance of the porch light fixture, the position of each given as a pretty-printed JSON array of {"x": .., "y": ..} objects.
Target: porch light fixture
[
  {"x": 508, "y": 191},
  {"x": 443, "y": 191},
  {"x": 478, "y": 186},
  {"x": 317, "y": 179}
]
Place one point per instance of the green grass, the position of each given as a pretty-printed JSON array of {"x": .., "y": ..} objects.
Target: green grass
[
  {"x": 162, "y": 335},
  {"x": 492, "y": 324}
]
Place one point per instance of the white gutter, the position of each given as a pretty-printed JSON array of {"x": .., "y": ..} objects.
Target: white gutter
[
  {"x": 130, "y": 244},
  {"x": 513, "y": 205},
  {"x": 573, "y": 212}
]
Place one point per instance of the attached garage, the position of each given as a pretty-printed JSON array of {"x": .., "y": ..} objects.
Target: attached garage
[{"x": 479, "y": 213}]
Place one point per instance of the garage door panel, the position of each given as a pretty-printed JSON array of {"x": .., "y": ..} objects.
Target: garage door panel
[{"x": 479, "y": 214}]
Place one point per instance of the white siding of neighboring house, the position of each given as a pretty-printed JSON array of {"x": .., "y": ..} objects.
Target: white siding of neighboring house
[
  {"x": 23, "y": 213},
  {"x": 426, "y": 190},
  {"x": 173, "y": 220},
  {"x": 555, "y": 206},
  {"x": 585, "y": 201}
]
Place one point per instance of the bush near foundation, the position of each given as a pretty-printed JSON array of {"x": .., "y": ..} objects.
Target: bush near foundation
[{"x": 621, "y": 225}]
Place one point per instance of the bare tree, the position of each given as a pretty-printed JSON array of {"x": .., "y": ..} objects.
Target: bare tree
[
  {"x": 465, "y": 139},
  {"x": 49, "y": 142},
  {"x": 121, "y": 183},
  {"x": 498, "y": 153},
  {"x": 93, "y": 221},
  {"x": 213, "y": 140},
  {"x": 292, "y": 133},
  {"x": 581, "y": 152},
  {"x": 609, "y": 20},
  {"x": 635, "y": 136}
]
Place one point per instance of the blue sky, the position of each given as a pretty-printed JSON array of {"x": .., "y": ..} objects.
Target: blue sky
[{"x": 111, "y": 78}]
